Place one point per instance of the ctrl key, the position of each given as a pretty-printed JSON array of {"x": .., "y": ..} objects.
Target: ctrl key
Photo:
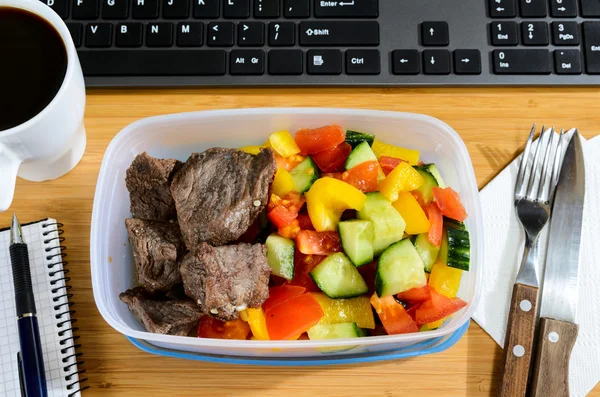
[{"x": 363, "y": 62}]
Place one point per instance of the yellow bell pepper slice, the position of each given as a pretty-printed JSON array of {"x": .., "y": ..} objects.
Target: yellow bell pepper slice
[
  {"x": 412, "y": 213},
  {"x": 283, "y": 183},
  {"x": 283, "y": 143},
  {"x": 385, "y": 149},
  {"x": 328, "y": 198},
  {"x": 355, "y": 310},
  {"x": 251, "y": 149},
  {"x": 258, "y": 323},
  {"x": 403, "y": 178},
  {"x": 433, "y": 325},
  {"x": 445, "y": 279}
]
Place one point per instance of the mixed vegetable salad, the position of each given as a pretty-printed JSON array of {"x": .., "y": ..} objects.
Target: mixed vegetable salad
[{"x": 362, "y": 238}]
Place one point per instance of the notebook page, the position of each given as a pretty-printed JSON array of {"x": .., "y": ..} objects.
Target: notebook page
[{"x": 50, "y": 298}]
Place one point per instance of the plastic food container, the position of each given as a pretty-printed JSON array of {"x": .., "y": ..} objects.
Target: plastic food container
[{"x": 178, "y": 135}]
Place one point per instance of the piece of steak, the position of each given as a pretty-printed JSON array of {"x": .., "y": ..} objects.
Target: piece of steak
[
  {"x": 157, "y": 250},
  {"x": 225, "y": 280},
  {"x": 172, "y": 317},
  {"x": 220, "y": 192},
  {"x": 148, "y": 180}
]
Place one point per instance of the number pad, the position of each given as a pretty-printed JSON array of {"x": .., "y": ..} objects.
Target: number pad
[
  {"x": 534, "y": 33},
  {"x": 565, "y": 33}
]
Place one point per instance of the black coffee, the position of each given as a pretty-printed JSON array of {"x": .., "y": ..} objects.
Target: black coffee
[{"x": 33, "y": 63}]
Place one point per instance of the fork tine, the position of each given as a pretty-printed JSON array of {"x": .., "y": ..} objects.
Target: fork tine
[
  {"x": 521, "y": 187},
  {"x": 546, "y": 177},
  {"x": 534, "y": 179},
  {"x": 557, "y": 164}
]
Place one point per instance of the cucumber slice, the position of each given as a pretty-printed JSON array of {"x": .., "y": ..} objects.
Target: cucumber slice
[
  {"x": 357, "y": 241},
  {"x": 280, "y": 256},
  {"x": 429, "y": 182},
  {"x": 459, "y": 248},
  {"x": 355, "y": 138},
  {"x": 337, "y": 277},
  {"x": 361, "y": 153},
  {"x": 427, "y": 251},
  {"x": 399, "y": 269},
  {"x": 335, "y": 331},
  {"x": 433, "y": 170},
  {"x": 304, "y": 174},
  {"x": 451, "y": 223},
  {"x": 388, "y": 224}
]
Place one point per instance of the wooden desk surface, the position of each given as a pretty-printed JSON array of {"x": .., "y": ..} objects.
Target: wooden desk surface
[{"x": 493, "y": 122}]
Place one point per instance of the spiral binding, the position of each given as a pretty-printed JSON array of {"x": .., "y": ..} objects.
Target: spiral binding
[{"x": 57, "y": 254}]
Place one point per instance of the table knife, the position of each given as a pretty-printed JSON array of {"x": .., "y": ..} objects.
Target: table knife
[{"x": 557, "y": 329}]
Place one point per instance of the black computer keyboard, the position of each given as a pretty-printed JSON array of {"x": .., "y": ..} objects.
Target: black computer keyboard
[{"x": 323, "y": 43}]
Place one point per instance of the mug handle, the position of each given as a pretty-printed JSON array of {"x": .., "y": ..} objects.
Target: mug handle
[{"x": 9, "y": 166}]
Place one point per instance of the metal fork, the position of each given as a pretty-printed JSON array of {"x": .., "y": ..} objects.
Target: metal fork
[{"x": 534, "y": 190}]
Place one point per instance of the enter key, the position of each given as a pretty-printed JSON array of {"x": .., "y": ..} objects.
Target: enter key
[
  {"x": 591, "y": 39},
  {"x": 347, "y": 8}
]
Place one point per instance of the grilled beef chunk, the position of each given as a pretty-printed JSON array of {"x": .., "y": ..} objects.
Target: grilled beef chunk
[
  {"x": 174, "y": 317},
  {"x": 225, "y": 280},
  {"x": 148, "y": 180},
  {"x": 220, "y": 192},
  {"x": 157, "y": 250}
]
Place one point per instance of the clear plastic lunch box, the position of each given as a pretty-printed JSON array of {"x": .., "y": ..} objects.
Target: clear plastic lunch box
[{"x": 178, "y": 135}]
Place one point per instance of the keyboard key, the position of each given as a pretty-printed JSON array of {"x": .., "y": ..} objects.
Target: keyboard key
[
  {"x": 591, "y": 41},
  {"x": 521, "y": 62},
  {"x": 176, "y": 9},
  {"x": 567, "y": 62},
  {"x": 61, "y": 7},
  {"x": 590, "y": 8},
  {"x": 220, "y": 34},
  {"x": 467, "y": 62},
  {"x": 154, "y": 63},
  {"x": 266, "y": 8},
  {"x": 535, "y": 33},
  {"x": 76, "y": 30},
  {"x": 436, "y": 62},
  {"x": 114, "y": 9},
  {"x": 85, "y": 9},
  {"x": 565, "y": 33},
  {"x": 563, "y": 8},
  {"x": 145, "y": 9},
  {"x": 347, "y": 9},
  {"x": 98, "y": 35},
  {"x": 189, "y": 34},
  {"x": 159, "y": 34},
  {"x": 363, "y": 62},
  {"x": 282, "y": 34},
  {"x": 502, "y": 8},
  {"x": 406, "y": 62},
  {"x": 206, "y": 8},
  {"x": 247, "y": 62},
  {"x": 129, "y": 35},
  {"x": 338, "y": 33},
  {"x": 296, "y": 8},
  {"x": 285, "y": 62},
  {"x": 504, "y": 33},
  {"x": 324, "y": 61},
  {"x": 236, "y": 8},
  {"x": 435, "y": 34},
  {"x": 533, "y": 8},
  {"x": 251, "y": 34}
]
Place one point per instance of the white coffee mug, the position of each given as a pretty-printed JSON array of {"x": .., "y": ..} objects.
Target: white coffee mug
[{"x": 51, "y": 143}]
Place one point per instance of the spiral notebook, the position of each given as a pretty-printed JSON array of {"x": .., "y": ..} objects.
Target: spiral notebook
[{"x": 62, "y": 355}]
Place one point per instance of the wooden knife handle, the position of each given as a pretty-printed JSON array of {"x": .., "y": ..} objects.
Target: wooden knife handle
[
  {"x": 518, "y": 343},
  {"x": 551, "y": 371}
]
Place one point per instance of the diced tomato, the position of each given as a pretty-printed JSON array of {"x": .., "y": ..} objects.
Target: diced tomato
[
  {"x": 363, "y": 176},
  {"x": 310, "y": 242},
  {"x": 319, "y": 139},
  {"x": 293, "y": 317},
  {"x": 288, "y": 163},
  {"x": 368, "y": 274},
  {"x": 290, "y": 231},
  {"x": 209, "y": 327},
  {"x": 389, "y": 163},
  {"x": 419, "y": 197},
  {"x": 393, "y": 316},
  {"x": 449, "y": 203},
  {"x": 332, "y": 160},
  {"x": 437, "y": 224},
  {"x": 293, "y": 201},
  {"x": 303, "y": 265},
  {"x": 305, "y": 222},
  {"x": 412, "y": 308},
  {"x": 279, "y": 295},
  {"x": 419, "y": 294},
  {"x": 281, "y": 216},
  {"x": 437, "y": 308},
  {"x": 283, "y": 212}
]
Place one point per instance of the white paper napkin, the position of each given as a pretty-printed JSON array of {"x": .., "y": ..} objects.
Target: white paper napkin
[{"x": 504, "y": 236}]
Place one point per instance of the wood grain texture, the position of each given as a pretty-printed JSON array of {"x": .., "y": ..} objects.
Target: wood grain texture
[
  {"x": 520, "y": 333},
  {"x": 494, "y": 123},
  {"x": 553, "y": 353}
]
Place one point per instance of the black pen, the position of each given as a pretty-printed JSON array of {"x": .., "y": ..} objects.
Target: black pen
[{"x": 31, "y": 361}]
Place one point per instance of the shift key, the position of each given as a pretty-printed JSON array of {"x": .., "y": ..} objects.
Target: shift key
[
  {"x": 591, "y": 40},
  {"x": 347, "y": 9},
  {"x": 339, "y": 33}
]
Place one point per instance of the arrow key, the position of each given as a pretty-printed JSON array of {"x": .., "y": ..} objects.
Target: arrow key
[
  {"x": 502, "y": 8},
  {"x": 251, "y": 34},
  {"x": 434, "y": 33},
  {"x": 563, "y": 8},
  {"x": 436, "y": 62},
  {"x": 220, "y": 34},
  {"x": 467, "y": 62},
  {"x": 405, "y": 62}
]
